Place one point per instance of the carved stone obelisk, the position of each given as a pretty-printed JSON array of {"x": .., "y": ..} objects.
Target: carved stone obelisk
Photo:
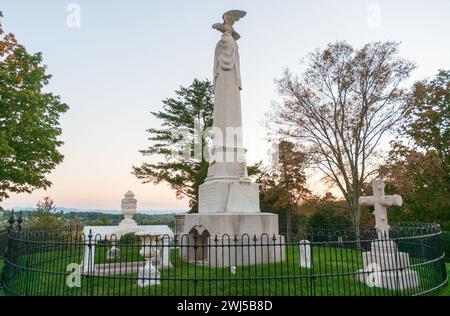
[{"x": 228, "y": 199}]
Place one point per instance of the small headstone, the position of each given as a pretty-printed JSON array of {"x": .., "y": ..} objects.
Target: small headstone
[
  {"x": 113, "y": 253},
  {"x": 305, "y": 253}
]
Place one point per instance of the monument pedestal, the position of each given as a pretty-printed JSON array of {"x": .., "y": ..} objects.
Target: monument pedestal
[
  {"x": 127, "y": 225},
  {"x": 229, "y": 229},
  {"x": 232, "y": 224},
  {"x": 386, "y": 267},
  {"x": 225, "y": 195},
  {"x": 225, "y": 239},
  {"x": 148, "y": 275}
]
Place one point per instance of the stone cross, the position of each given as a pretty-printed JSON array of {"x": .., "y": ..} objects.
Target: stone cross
[{"x": 380, "y": 201}]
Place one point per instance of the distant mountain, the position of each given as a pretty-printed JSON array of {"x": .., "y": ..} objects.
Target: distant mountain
[{"x": 68, "y": 210}]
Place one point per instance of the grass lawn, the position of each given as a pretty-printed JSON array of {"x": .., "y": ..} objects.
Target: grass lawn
[
  {"x": 446, "y": 290},
  {"x": 186, "y": 279}
]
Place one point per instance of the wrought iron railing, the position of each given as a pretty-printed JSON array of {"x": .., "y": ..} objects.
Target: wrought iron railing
[
  {"x": 3, "y": 241},
  {"x": 446, "y": 244},
  {"x": 317, "y": 261}
]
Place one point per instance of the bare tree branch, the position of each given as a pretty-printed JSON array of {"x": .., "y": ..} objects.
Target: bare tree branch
[{"x": 340, "y": 109}]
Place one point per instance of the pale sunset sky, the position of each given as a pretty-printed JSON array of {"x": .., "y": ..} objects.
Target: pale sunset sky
[{"x": 127, "y": 56}]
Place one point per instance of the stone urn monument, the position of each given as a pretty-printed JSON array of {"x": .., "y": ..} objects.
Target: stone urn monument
[
  {"x": 128, "y": 208},
  {"x": 228, "y": 199}
]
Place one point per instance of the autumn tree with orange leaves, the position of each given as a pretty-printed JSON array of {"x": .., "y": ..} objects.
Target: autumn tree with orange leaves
[
  {"x": 285, "y": 188},
  {"x": 418, "y": 166}
]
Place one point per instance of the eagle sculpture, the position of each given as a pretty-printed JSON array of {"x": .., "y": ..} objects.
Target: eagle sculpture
[{"x": 229, "y": 18}]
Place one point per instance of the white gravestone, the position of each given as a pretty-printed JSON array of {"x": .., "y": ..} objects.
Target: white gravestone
[
  {"x": 384, "y": 265},
  {"x": 113, "y": 253},
  {"x": 305, "y": 253}
]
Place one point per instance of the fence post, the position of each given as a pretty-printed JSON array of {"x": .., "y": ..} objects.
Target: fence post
[
  {"x": 313, "y": 277},
  {"x": 195, "y": 262},
  {"x": 3, "y": 247},
  {"x": 11, "y": 221},
  {"x": 90, "y": 260},
  {"x": 9, "y": 271},
  {"x": 19, "y": 222}
]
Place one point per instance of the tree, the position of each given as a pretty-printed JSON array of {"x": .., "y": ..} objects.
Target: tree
[
  {"x": 46, "y": 205},
  {"x": 185, "y": 119},
  {"x": 418, "y": 167},
  {"x": 328, "y": 213},
  {"x": 345, "y": 102},
  {"x": 101, "y": 222},
  {"x": 286, "y": 187},
  {"x": 45, "y": 218},
  {"x": 29, "y": 120},
  {"x": 427, "y": 121}
]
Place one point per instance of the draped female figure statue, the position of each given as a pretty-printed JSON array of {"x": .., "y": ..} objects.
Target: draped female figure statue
[{"x": 227, "y": 75}]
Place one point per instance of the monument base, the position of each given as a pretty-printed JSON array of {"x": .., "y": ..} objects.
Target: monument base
[
  {"x": 222, "y": 240},
  {"x": 386, "y": 267},
  {"x": 229, "y": 195},
  {"x": 127, "y": 226},
  {"x": 232, "y": 224},
  {"x": 149, "y": 275}
]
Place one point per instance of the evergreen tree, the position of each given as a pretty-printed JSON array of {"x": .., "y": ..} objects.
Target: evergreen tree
[{"x": 180, "y": 142}]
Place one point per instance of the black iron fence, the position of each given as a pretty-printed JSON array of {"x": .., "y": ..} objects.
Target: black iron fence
[
  {"x": 3, "y": 241},
  {"x": 446, "y": 244},
  {"x": 318, "y": 261}
]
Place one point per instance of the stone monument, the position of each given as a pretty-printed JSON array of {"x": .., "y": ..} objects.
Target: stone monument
[
  {"x": 99, "y": 234},
  {"x": 128, "y": 208},
  {"x": 228, "y": 199},
  {"x": 384, "y": 265},
  {"x": 149, "y": 274}
]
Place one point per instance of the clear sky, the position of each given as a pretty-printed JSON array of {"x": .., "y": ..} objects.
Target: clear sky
[{"x": 127, "y": 56}]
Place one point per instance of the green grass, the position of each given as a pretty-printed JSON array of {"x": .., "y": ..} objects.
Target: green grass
[
  {"x": 446, "y": 290},
  {"x": 180, "y": 280}
]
